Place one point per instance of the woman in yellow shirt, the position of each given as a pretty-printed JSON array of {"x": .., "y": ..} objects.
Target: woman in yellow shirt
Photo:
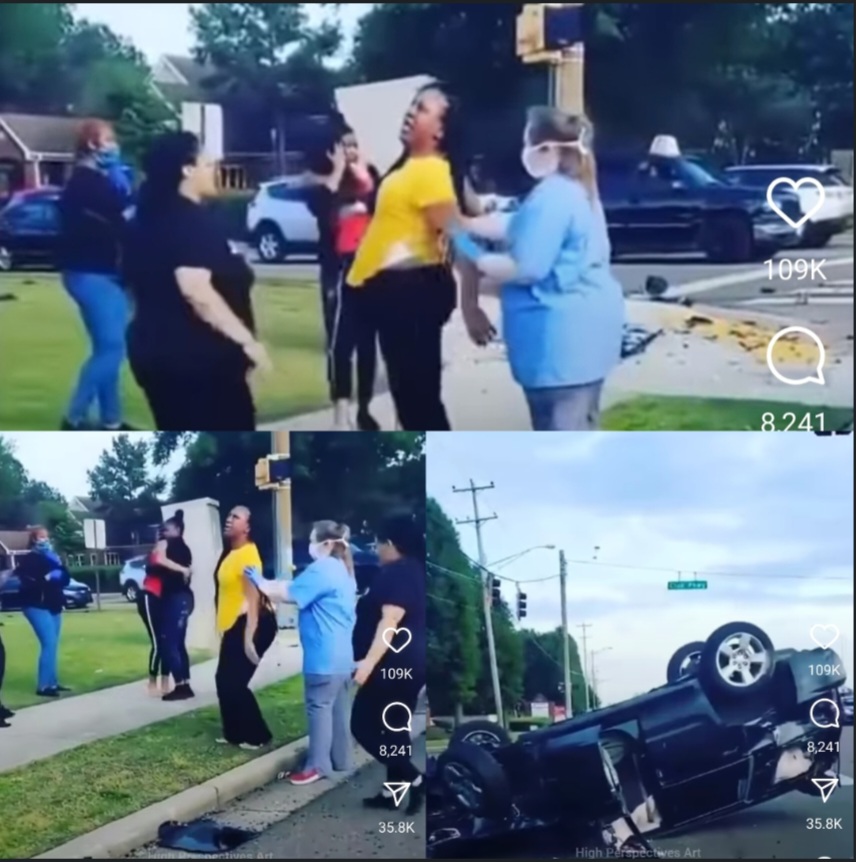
[
  {"x": 402, "y": 262},
  {"x": 247, "y": 625}
]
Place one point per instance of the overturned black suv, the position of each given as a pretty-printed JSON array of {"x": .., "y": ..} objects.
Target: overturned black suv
[{"x": 730, "y": 729}]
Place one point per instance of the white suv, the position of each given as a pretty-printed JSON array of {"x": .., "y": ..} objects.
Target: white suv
[{"x": 279, "y": 221}]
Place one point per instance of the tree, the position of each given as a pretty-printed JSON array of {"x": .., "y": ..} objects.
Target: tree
[
  {"x": 544, "y": 674},
  {"x": 266, "y": 55},
  {"x": 454, "y": 618}
]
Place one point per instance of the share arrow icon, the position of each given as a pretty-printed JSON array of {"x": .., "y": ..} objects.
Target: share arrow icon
[
  {"x": 399, "y": 789},
  {"x": 825, "y": 786}
]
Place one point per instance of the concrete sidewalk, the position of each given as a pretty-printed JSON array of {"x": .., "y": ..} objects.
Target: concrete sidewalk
[
  {"x": 696, "y": 361},
  {"x": 42, "y": 731}
]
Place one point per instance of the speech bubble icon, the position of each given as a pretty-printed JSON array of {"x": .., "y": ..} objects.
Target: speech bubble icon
[
  {"x": 389, "y": 638},
  {"x": 817, "y": 378},
  {"x": 819, "y": 721},
  {"x": 805, "y": 181},
  {"x": 388, "y": 726},
  {"x": 825, "y": 636}
]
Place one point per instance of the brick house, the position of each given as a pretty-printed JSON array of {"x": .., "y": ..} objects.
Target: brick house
[{"x": 35, "y": 150}]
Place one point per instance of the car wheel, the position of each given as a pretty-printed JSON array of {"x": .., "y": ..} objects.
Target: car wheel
[
  {"x": 816, "y": 237},
  {"x": 475, "y": 780},
  {"x": 131, "y": 592},
  {"x": 5, "y": 259},
  {"x": 728, "y": 239},
  {"x": 270, "y": 244},
  {"x": 487, "y": 735},
  {"x": 684, "y": 662},
  {"x": 738, "y": 661}
]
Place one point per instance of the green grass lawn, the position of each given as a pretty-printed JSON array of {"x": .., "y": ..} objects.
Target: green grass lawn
[
  {"x": 708, "y": 414},
  {"x": 43, "y": 345},
  {"x": 52, "y": 801},
  {"x": 98, "y": 649}
]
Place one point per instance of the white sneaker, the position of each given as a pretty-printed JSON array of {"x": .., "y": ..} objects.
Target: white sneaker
[
  {"x": 342, "y": 416},
  {"x": 247, "y": 747},
  {"x": 221, "y": 741}
]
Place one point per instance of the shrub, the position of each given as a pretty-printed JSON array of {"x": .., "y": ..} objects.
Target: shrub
[{"x": 107, "y": 577}]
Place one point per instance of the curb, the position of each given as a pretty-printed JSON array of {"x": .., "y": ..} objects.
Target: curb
[{"x": 119, "y": 839}]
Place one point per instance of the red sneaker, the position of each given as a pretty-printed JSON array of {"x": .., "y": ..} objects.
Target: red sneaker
[{"x": 306, "y": 776}]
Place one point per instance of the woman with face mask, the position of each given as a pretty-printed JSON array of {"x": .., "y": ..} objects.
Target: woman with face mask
[
  {"x": 192, "y": 342},
  {"x": 562, "y": 310},
  {"x": 43, "y": 577},
  {"x": 325, "y": 593},
  {"x": 5, "y": 714},
  {"x": 92, "y": 227}
]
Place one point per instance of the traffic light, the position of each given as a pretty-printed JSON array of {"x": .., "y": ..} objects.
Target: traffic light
[
  {"x": 521, "y": 605},
  {"x": 495, "y": 592},
  {"x": 563, "y": 25},
  {"x": 273, "y": 472}
]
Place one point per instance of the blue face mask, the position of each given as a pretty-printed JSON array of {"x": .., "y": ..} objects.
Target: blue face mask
[
  {"x": 109, "y": 158},
  {"x": 44, "y": 545}
]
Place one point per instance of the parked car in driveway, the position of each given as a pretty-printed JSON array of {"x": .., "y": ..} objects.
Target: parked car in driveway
[
  {"x": 131, "y": 577},
  {"x": 665, "y": 203},
  {"x": 76, "y": 594},
  {"x": 29, "y": 230},
  {"x": 731, "y": 729},
  {"x": 833, "y": 217},
  {"x": 279, "y": 222}
]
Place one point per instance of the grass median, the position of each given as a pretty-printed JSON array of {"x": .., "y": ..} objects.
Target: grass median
[
  {"x": 52, "y": 801},
  {"x": 44, "y": 345},
  {"x": 652, "y": 413},
  {"x": 98, "y": 649}
]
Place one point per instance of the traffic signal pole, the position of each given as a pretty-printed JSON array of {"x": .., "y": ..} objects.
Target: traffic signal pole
[
  {"x": 487, "y": 589},
  {"x": 566, "y": 637},
  {"x": 283, "y": 519}
]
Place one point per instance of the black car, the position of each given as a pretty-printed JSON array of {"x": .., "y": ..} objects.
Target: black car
[
  {"x": 29, "y": 230},
  {"x": 730, "y": 729},
  {"x": 667, "y": 204},
  {"x": 76, "y": 594}
]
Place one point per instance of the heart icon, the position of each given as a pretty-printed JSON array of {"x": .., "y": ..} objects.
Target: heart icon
[
  {"x": 810, "y": 181},
  {"x": 389, "y": 637},
  {"x": 825, "y": 636}
]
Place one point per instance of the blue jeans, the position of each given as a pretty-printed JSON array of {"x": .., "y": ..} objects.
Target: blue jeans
[
  {"x": 105, "y": 310},
  {"x": 565, "y": 408},
  {"x": 328, "y": 708},
  {"x": 176, "y": 610},
  {"x": 47, "y": 627}
]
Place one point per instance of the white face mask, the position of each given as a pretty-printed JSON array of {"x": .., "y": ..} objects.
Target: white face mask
[
  {"x": 319, "y": 550},
  {"x": 542, "y": 160}
]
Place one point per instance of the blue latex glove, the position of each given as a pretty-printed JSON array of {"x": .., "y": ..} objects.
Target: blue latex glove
[
  {"x": 55, "y": 575},
  {"x": 253, "y": 574},
  {"x": 466, "y": 246}
]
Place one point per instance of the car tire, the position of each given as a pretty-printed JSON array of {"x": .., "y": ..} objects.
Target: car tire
[
  {"x": 132, "y": 591},
  {"x": 728, "y": 239},
  {"x": 678, "y": 667},
  {"x": 6, "y": 262},
  {"x": 816, "y": 237},
  {"x": 475, "y": 779},
  {"x": 738, "y": 661},
  {"x": 270, "y": 243},
  {"x": 484, "y": 734}
]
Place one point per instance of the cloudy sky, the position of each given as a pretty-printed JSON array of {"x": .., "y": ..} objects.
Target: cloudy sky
[
  {"x": 772, "y": 513},
  {"x": 164, "y": 28},
  {"x": 63, "y": 460}
]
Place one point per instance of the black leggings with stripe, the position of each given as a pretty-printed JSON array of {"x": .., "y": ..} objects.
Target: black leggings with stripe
[{"x": 151, "y": 612}]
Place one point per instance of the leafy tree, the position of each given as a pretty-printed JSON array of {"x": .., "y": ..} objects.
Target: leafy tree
[
  {"x": 266, "y": 55},
  {"x": 544, "y": 674},
  {"x": 454, "y": 617}
]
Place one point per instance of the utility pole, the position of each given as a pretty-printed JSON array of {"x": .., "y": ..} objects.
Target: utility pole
[
  {"x": 566, "y": 637},
  {"x": 584, "y": 629},
  {"x": 477, "y": 520}
]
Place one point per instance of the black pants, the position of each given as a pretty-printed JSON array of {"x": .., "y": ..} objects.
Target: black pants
[
  {"x": 350, "y": 331},
  {"x": 196, "y": 398},
  {"x": 151, "y": 612},
  {"x": 239, "y": 710},
  {"x": 176, "y": 611},
  {"x": 386, "y": 747},
  {"x": 2, "y": 663},
  {"x": 410, "y": 308}
]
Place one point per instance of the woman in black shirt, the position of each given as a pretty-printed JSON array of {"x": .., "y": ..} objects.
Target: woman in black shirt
[
  {"x": 171, "y": 561},
  {"x": 192, "y": 341},
  {"x": 394, "y": 600}
]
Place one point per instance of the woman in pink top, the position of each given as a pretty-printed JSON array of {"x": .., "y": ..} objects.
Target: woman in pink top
[{"x": 342, "y": 201}]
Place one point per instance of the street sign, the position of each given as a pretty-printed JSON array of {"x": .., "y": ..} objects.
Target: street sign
[
  {"x": 687, "y": 585},
  {"x": 94, "y": 534},
  {"x": 273, "y": 472}
]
